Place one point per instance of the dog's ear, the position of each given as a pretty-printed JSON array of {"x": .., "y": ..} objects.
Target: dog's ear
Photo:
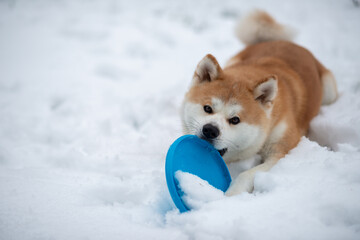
[
  {"x": 207, "y": 70},
  {"x": 266, "y": 90}
]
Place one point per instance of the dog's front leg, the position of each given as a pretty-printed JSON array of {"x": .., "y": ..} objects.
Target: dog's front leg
[{"x": 245, "y": 181}]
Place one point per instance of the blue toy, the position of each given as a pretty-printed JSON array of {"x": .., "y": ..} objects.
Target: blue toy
[{"x": 196, "y": 156}]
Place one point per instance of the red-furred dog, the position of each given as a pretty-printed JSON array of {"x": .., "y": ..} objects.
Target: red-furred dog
[{"x": 262, "y": 102}]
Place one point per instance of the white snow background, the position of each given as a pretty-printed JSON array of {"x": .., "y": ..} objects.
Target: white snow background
[{"x": 89, "y": 99}]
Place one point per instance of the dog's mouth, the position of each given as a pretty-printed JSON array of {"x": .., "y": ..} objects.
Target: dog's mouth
[{"x": 222, "y": 151}]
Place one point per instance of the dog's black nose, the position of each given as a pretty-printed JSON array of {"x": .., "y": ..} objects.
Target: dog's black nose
[{"x": 210, "y": 131}]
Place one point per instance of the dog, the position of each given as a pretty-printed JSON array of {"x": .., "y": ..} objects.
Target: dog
[{"x": 261, "y": 102}]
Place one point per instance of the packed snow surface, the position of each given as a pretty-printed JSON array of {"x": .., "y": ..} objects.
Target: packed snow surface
[
  {"x": 197, "y": 191},
  {"x": 90, "y": 93}
]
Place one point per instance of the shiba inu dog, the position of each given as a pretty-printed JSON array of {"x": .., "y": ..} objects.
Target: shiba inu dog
[{"x": 261, "y": 102}]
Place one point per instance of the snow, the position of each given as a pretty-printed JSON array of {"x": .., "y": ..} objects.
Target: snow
[
  {"x": 90, "y": 93},
  {"x": 197, "y": 191}
]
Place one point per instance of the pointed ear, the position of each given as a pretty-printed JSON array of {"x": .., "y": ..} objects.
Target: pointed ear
[
  {"x": 266, "y": 90},
  {"x": 207, "y": 70}
]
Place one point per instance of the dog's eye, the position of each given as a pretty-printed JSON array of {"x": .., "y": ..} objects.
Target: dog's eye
[
  {"x": 234, "y": 120},
  {"x": 208, "y": 109}
]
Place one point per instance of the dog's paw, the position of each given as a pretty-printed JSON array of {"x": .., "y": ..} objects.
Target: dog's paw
[{"x": 241, "y": 184}]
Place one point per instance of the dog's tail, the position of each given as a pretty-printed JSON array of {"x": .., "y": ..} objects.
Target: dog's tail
[{"x": 259, "y": 26}]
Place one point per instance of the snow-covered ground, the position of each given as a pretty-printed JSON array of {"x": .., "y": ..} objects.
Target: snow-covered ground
[{"x": 89, "y": 99}]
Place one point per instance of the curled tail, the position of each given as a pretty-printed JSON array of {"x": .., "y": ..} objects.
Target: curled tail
[
  {"x": 259, "y": 26},
  {"x": 329, "y": 87}
]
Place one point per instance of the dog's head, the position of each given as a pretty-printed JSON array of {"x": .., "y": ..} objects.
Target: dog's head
[{"x": 229, "y": 108}]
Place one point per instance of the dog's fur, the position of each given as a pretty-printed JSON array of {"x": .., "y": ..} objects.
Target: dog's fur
[{"x": 273, "y": 86}]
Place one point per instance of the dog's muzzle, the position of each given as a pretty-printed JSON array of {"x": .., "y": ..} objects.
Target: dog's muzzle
[{"x": 222, "y": 151}]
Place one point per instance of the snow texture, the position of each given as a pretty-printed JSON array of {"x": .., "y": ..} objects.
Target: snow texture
[
  {"x": 197, "y": 191},
  {"x": 90, "y": 93}
]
